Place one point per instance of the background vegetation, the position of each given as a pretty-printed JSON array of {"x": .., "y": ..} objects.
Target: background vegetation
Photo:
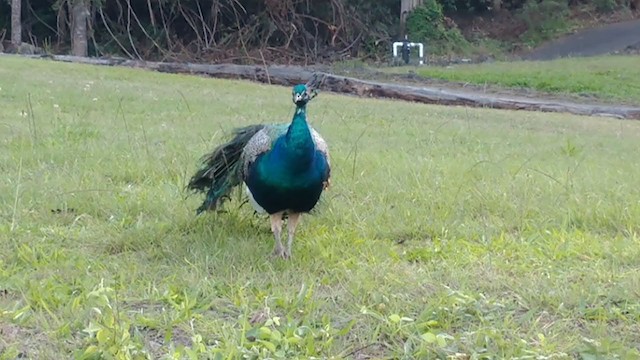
[{"x": 292, "y": 30}]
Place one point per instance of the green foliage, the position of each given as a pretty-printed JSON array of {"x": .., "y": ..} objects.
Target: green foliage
[
  {"x": 279, "y": 31},
  {"x": 448, "y": 232},
  {"x": 282, "y": 31},
  {"x": 545, "y": 19},
  {"x": 606, "y": 6},
  {"x": 465, "y": 6},
  {"x": 426, "y": 24},
  {"x": 612, "y": 78},
  {"x": 283, "y": 339},
  {"x": 380, "y": 12},
  {"x": 109, "y": 330}
]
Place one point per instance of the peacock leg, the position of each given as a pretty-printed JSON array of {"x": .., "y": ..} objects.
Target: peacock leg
[
  {"x": 276, "y": 228},
  {"x": 292, "y": 223}
]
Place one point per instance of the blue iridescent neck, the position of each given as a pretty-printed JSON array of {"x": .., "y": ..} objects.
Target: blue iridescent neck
[
  {"x": 298, "y": 138},
  {"x": 299, "y": 126}
]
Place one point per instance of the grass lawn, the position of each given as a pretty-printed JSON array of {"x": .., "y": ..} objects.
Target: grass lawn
[
  {"x": 448, "y": 232},
  {"x": 612, "y": 78}
]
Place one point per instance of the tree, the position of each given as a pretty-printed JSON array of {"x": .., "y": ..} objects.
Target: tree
[
  {"x": 16, "y": 22},
  {"x": 405, "y": 8},
  {"x": 80, "y": 16}
]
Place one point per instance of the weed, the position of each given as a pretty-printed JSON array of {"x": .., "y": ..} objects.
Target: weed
[{"x": 448, "y": 232}]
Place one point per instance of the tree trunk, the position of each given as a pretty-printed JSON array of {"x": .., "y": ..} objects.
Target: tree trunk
[
  {"x": 405, "y": 8},
  {"x": 80, "y": 15},
  {"x": 16, "y": 22}
]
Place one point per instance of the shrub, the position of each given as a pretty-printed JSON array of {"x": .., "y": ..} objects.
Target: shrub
[
  {"x": 605, "y": 6},
  {"x": 426, "y": 23},
  {"x": 544, "y": 20}
]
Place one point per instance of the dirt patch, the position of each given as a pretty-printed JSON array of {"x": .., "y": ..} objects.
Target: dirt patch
[
  {"x": 154, "y": 340},
  {"x": 28, "y": 342},
  {"x": 9, "y": 334},
  {"x": 368, "y": 352}
]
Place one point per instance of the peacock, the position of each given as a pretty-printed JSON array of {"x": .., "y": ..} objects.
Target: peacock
[{"x": 284, "y": 169}]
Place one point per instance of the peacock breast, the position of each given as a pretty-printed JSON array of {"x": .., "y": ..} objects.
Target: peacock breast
[{"x": 278, "y": 185}]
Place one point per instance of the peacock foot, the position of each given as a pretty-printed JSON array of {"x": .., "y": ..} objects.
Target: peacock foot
[
  {"x": 326, "y": 184},
  {"x": 280, "y": 252}
]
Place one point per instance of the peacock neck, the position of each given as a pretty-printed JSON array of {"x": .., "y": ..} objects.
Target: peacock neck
[
  {"x": 298, "y": 135},
  {"x": 292, "y": 153}
]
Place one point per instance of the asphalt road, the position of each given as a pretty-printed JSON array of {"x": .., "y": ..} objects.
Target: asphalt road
[{"x": 597, "y": 41}]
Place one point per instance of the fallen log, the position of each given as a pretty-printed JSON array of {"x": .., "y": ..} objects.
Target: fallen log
[{"x": 290, "y": 75}]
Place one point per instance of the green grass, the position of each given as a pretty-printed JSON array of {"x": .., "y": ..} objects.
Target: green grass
[
  {"x": 613, "y": 78},
  {"x": 474, "y": 234}
]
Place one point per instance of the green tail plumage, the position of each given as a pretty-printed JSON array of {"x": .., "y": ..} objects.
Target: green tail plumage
[{"x": 220, "y": 171}]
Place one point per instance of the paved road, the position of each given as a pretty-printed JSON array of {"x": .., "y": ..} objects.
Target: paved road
[{"x": 591, "y": 42}]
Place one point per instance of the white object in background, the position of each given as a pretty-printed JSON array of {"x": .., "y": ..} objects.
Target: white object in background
[{"x": 420, "y": 47}]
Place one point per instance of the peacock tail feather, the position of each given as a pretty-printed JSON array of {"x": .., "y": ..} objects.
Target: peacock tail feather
[{"x": 222, "y": 169}]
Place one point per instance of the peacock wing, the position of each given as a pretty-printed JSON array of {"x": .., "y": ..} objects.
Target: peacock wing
[
  {"x": 260, "y": 143},
  {"x": 322, "y": 146}
]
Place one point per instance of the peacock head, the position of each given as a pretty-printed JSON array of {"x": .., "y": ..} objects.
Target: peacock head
[{"x": 301, "y": 95}]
